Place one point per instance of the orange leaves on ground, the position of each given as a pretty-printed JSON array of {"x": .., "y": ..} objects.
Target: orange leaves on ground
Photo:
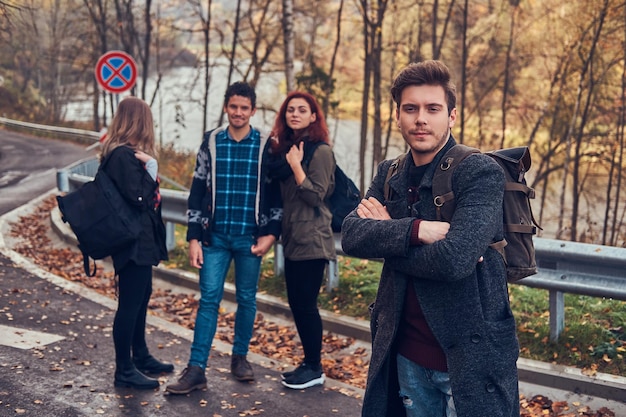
[{"x": 342, "y": 359}]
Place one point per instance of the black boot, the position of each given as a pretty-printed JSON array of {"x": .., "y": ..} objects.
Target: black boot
[
  {"x": 130, "y": 377},
  {"x": 149, "y": 365}
]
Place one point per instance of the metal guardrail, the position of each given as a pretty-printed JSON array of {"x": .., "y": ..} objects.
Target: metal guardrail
[
  {"x": 564, "y": 267},
  {"x": 86, "y": 136}
]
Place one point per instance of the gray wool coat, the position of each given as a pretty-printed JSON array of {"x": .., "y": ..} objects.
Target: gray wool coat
[{"x": 465, "y": 302}]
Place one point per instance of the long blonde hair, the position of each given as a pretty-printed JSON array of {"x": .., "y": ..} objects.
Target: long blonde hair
[{"x": 131, "y": 126}]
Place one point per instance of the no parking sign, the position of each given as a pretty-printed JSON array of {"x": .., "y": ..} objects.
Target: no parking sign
[{"x": 116, "y": 71}]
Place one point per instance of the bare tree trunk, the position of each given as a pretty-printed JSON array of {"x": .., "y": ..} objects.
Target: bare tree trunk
[
  {"x": 433, "y": 29},
  {"x": 289, "y": 44},
  {"x": 587, "y": 67},
  {"x": 620, "y": 160},
  {"x": 367, "y": 75},
  {"x": 53, "y": 53},
  {"x": 395, "y": 44},
  {"x": 507, "y": 73},
  {"x": 126, "y": 25},
  {"x": 97, "y": 13},
  {"x": 547, "y": 160},
  {"x": 266, "y": 36},
  {"x": 146, "y": 48},
  {"x": 437, "y": 46},
  {"x": 377, "y": 46},
  {"x": 464, "y": 70},
  {"x": 328, "y": 88},
  {"x": 233, "y": 49},
  {"x": 206, "y": 31}
]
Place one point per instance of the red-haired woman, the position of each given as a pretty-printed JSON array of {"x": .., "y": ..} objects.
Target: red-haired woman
[{"x": 305, "y": 167}]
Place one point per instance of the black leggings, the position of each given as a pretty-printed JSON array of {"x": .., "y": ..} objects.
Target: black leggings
[
  {"x": 129, "y": 325},
  {"x": 303, "y": 280}
]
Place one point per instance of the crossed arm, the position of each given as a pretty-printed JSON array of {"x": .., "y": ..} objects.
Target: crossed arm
[{"x": 429, "y": 231}]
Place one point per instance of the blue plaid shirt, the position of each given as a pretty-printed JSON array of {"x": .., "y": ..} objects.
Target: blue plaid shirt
[{"x": 236, "y": 179}]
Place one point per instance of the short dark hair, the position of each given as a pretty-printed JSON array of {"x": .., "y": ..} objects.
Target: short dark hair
[
  {"x": 429, "y": 72},
  {"x": 242, "y": 89}
]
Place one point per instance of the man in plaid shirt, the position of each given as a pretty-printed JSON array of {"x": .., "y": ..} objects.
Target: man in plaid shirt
[{"x": 232, "y": 215}]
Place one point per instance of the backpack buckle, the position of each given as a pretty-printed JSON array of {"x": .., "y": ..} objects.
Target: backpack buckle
[{"x": 445, "y": 165}]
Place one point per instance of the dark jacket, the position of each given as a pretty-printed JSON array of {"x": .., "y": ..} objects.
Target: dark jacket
[
  {"x": 465, "y": 302},
  {"x": 200, "y": 204},
  {"x": 139, "y": 190}
]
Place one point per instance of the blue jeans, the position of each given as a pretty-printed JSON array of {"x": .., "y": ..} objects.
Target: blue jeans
[
  {"x": 424, "y": 392},
  {"x": 217, "y": 259}
]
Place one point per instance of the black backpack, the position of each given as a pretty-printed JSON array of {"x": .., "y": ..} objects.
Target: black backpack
[
  {"x": 103, "y": 222},
  {"x": 346, "y": 196},
  {"x": 517, "y": 248}
]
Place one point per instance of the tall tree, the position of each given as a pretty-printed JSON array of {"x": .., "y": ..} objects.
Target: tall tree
[
  {"x": 261, "y": 37},
  {"x": 233, "y": 52},
  {"x": 204, "y": 17},
  {"x": 464, "y": 55},
  {"x": 206, "y": 33},
  {"x": 289, "y": 47},
  {"x": 98, "y": 18},
  {"x": 619, "y": 166},
  {"x": 147, "y": 44},
  {"x": 514, "y": 4},
  {"x": 586, "y": 56},
  {"x": 329, "y": 86},
  {"x": 377, "y": 49},
  {"x": 365, "y": 95}
]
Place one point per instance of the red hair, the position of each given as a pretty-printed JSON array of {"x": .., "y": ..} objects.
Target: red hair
[{"x": 317, "y": 131}]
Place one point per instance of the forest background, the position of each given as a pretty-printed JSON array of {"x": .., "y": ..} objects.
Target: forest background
[{"x": 545, "y": 74}]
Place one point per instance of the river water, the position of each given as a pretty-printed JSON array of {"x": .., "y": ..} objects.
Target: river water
[{"x": 177, "y": 111}]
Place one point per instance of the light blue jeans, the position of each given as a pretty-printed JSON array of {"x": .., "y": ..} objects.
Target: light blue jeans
[
  {"x": 424, "y": 392},
  {"x": 217, "y": 260}
]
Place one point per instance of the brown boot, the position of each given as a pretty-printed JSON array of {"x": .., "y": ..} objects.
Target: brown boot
[
  {"x": 241, "y": 369},
  {"x": 191, "y": 379}
]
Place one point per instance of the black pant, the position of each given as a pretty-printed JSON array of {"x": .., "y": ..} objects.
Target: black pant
[
  {"x": 303, "y": 280},
  {"x": 129, "y": 325}
]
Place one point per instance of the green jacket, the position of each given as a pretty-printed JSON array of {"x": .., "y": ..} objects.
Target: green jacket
[{"x": 306, "y": 232}]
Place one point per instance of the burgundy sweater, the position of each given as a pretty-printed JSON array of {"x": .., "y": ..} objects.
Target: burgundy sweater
[{"x": 415, "y": 340}]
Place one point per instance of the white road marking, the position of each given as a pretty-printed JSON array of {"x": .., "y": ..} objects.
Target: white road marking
[{"x": 25, "y": 339}]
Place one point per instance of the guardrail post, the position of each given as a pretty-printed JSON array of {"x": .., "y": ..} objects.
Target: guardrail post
[
  {"x": 63, "y": 182},
  {"x": 170, "y": 238},
  {"x": 557, "y": 314},
  {"x": 332, "y": 275},
  {"x": 279, "y": 260}
]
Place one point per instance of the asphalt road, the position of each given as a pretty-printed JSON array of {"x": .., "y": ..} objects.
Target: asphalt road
[
  {"x": 56, "y": 351},
  {"x": 28, "y": 166}
]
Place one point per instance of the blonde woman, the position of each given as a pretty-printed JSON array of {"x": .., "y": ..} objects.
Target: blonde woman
[{"x": 129, "y": 159}]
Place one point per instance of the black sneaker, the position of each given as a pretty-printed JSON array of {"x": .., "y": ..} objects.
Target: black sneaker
[
  {"x": 287, "y": 374},
  {"x": 150, "y": 365},
  {"x": 304, "y": 377}
]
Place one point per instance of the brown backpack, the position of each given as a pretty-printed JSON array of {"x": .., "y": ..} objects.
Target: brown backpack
[{"x": 517, "y": 247}]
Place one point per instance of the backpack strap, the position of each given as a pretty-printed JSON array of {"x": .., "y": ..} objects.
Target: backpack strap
[
  {"x": 442, "y": 180},
  {"x": 394, "y": 168},
  {"x": 88, "y": 271},
  {"x": 309, "y": 150}
]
